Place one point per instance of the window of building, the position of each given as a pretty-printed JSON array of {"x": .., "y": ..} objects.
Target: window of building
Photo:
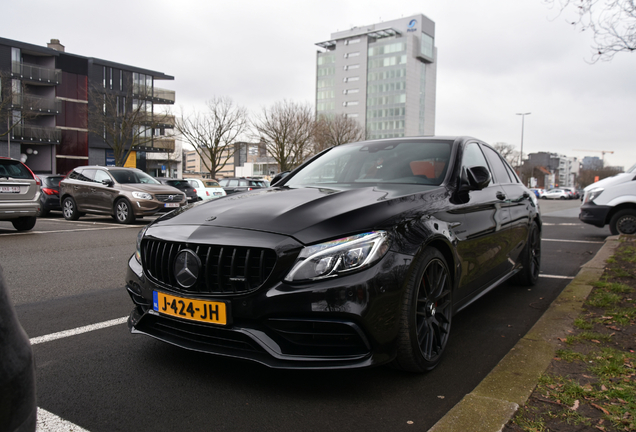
[
  {"x": 351, "y": 79},
  {"x": 352, "y": 54},
  {"x": 121, "y": 80},
  {"x": 352, "y": 41},
  {"x": 110, "y": 78},
  {"x": 426, "y": 45},
  {"x": 104, "y": 76},
  {"x": 350, "y": 103},
  {"x": 352, "y": 66},
  {"x": 351, "y": 91},
  {"x": 16, "y": 60}
]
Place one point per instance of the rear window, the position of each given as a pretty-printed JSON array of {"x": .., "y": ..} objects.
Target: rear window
[
  {"x": 179, "y": 183},
  {"x": 14, "y": 169},
  {"x": 52, "y": 181},
  {"x": 210, "y": 183}
]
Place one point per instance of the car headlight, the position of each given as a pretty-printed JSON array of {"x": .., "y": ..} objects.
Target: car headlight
[
  {"x": 142, "y": 195},
  {"x": 593, "y": 194},
  {"x": 140, "y": 237},
  {"x": 340, "y": 256}
]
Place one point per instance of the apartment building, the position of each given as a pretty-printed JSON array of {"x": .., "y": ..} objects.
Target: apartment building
[{"x": 45, "y": 108}]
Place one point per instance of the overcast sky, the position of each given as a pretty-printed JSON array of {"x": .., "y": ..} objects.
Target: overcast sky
[{"x": 496, "y": 58}]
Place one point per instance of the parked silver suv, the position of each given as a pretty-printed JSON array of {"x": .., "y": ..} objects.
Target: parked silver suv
[
  {"x": 19, "y": 194},
  {"x": 123, "y": 193}
]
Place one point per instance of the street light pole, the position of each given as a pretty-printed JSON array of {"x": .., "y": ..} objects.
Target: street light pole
[{"x": 523, "y": 117}]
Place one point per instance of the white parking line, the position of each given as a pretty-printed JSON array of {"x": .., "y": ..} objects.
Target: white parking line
[
  {"x": 70, "y": 230},
  {"x": 48, "y": 422},
  {"x": 76, "y": 331},
  {"x": 555, "y": 276},
  {"x": 573, "y": 241}
]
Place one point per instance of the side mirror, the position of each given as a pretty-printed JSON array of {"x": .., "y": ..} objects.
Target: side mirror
[
  {"x": 278, "y": 177},
  {"x": 474, "y": 178},
  {"x": 108, "y": 182}
]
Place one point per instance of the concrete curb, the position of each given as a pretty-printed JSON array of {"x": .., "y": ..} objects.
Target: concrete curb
[{"x": 509, "y": 385}]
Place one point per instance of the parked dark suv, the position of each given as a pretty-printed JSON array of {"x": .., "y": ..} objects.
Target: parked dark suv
[
  {"x": 233, "y": 185},
  {"x": 183, "y": 185},
  {"x": 123, "y": 193}
]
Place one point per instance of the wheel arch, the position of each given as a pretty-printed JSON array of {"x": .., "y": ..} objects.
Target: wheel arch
[{"x": 616, "y": 209}]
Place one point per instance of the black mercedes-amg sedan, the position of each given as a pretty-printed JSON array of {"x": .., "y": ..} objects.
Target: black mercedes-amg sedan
[{"x": 361, "y": 256}]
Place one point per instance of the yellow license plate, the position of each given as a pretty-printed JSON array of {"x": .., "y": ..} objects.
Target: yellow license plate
[{"x": 213, "y": 312}]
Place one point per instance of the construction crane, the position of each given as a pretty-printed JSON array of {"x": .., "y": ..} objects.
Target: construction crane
[{"x": 598, "y": 151}]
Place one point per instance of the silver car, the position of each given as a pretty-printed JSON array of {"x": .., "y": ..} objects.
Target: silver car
[{"x": 19, "y": 194}]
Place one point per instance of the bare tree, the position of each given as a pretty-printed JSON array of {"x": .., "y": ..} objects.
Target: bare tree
[
  {"x": 336, "y": 130},
  {"x": 287, "y": 128},
  {"x": 124, "y": 121},
  {"x": 508, "y": 152},
  {"x": 612, "y": 23},
  {"x": 213, "y": 133}
]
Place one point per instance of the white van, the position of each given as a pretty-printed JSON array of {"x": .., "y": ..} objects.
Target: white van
[{"x": 612, "y": 201}]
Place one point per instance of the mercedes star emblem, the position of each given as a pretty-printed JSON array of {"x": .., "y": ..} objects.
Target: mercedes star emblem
[{"x": 186, "y": 268}]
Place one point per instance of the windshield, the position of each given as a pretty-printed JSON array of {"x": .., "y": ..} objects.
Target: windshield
[
  {"x": 632, "y": 169},
  {"x": 132, "y": 176},
  {"x": 410, "y": 162}
]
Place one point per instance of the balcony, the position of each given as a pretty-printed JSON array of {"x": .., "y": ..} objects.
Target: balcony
[
  {"x": 36, "y": 74},
  {"x": 36, "y": 104},
  {"x": 163, "y": 96},
  {"x": 36, "y": 134},
  {"x": 157, "y": 120},
  {"x": 166, "y": 144}
]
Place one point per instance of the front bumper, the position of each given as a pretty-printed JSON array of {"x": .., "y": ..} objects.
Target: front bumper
[
  {"x": 594, "y": 214},
  {"x": 345, "y": 322}
]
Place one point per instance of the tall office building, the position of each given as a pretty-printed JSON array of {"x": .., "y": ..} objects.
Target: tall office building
[{"x": 383, "y": 75}]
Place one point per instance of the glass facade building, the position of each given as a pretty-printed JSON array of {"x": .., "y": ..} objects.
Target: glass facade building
[{"x": 383, "y": 75}]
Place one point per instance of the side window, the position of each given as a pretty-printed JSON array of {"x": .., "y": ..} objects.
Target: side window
[
  {"x": 473, "y": 156},
  {"x": 498, "y": 167},
  {"x": 223, "y": 183},
  {"x": 232, "y": 183},
  {"x": 101, "y": 176},
  {"x": 87, "y": 175}
]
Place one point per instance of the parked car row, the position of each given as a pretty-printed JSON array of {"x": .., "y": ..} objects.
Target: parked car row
[{"x": 557, "y": 193}]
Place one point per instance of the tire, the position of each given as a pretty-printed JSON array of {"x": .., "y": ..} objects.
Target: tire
[
  {"x": 530, "y": 259},
  {"x": 426, "y": 314},
  {"x": 623, "y": 222},
  {"x": 24, "y": 223},
  {"x": 124, "y": 212},
  {"x": 69, "y": 209}
]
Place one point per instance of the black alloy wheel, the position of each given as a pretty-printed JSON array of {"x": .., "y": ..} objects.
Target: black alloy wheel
[
  {"x": 530, "y": 259},
  {"x": 623, "y": 222},
  {"x": 69, "y": 209},
  {"x": 426, "y": 314},
  {"x": 124, "y": 212}
]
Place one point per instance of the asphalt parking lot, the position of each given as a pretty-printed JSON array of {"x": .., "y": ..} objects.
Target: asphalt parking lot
[{"x": 66, "y": 279}]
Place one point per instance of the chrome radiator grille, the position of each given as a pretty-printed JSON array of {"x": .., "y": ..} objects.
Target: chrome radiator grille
[
  {"x": 176, "y": 197},
  {"x": 224, "y": 269}
]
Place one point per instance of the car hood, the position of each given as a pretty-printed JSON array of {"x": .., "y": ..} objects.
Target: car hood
[
  {"x": 311, "y": 214},
  {"x": 150, "y": 188},
  {"x": 610, "y": 181}
]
